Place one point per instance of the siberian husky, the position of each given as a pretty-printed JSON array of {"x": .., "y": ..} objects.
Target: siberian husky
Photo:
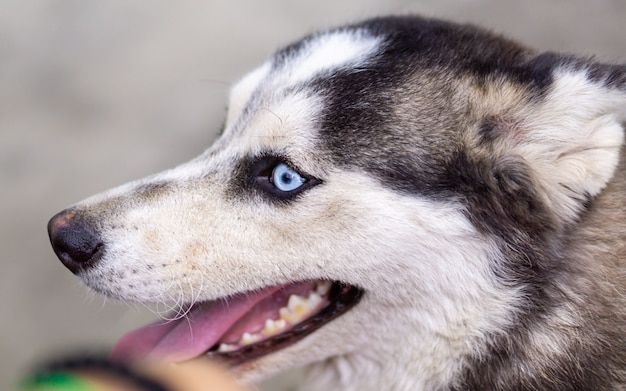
[{"x": 400, "y": 204}]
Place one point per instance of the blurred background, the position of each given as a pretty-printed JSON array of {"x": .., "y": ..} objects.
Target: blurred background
[{"x": 96, "y": 93}]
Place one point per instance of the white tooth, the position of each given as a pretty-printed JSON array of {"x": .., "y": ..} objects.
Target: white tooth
[
  {"x": 323, "y": 288},
  {"x": 313, "y": 300},
  {"x": 224, "y": 347},
  {"x": 269, "y": 327},
  {"x": 280, "y": 324},
  {"x": 298, "y": 305},
  {"x": 273, "y": 326},
  {"x": 298, "y": 308},
  {"x": 247, "y": 339},
  {"x": 286, "y": 314}
]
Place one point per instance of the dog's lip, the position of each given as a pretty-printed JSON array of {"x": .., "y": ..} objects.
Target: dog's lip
[
  {"x": 207, "y": 323},
  {"x": 341, "y": 299}
]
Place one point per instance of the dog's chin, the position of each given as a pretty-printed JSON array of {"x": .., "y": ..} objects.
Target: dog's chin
[{"x": 245, "y": 327}]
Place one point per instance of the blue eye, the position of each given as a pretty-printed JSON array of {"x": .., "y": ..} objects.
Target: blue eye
[{"x": 286, "y": 178}]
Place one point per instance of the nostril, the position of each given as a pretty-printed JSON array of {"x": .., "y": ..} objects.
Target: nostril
[{"x": 75, "y": 241}]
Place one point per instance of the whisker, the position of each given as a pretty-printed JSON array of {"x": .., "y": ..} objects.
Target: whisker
[{"x": 269, "y": 111}]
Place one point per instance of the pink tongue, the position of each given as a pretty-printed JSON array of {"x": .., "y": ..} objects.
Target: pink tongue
[{"x": 191, "y": 336}]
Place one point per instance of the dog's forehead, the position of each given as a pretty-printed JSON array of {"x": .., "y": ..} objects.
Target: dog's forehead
[
  {"x": 304, "y": 61},
  {"x": 357, "y": 77},
  {"x": 281, "y": 96}
]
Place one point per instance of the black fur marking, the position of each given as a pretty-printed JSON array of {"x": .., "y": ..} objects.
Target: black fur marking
[
  {"x": 488, "y": 131},
  {"x": 500, "y": 196},
  {"x": 613, "y": 76},
  {"x": 419, "y": 43}
]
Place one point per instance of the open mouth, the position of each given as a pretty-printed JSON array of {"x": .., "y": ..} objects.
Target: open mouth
[{"x": 243, "y": 327}]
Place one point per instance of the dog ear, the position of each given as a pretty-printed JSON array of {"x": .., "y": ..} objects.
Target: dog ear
[{"x": 571, "y": 134}]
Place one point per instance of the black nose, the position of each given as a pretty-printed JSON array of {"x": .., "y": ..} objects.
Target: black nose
[{"x": 75, "y": 241}]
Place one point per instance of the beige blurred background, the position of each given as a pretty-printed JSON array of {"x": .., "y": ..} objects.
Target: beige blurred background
[{"x": 95, "y": 93}]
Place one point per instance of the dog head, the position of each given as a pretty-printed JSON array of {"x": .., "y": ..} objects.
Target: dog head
[{"x": 376, "y": 194}]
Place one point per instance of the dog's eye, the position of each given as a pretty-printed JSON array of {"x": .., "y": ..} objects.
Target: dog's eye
[
  {"x": 286, "y": 178},
  {"x": 277, "y": 179}
]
